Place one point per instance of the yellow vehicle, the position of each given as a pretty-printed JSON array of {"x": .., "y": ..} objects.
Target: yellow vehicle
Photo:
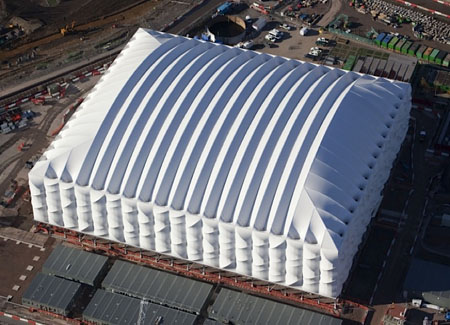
[{"x": 68, "y": 29}]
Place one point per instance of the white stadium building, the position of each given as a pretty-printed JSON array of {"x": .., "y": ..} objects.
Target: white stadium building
[{"x": 257, "y": 164}]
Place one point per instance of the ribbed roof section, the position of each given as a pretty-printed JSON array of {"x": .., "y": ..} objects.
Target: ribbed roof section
[{"x": 249, "y": 139}]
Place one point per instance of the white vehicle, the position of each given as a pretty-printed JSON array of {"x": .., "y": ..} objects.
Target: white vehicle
[
  {"x": 270, "y": 38},
  {"x": 304, "y": 31},
  {"x": 287, "y": 27},
  {"x": 422, "y": 135},
  {"x": 276, "y": 33},
  {"x": 247, "y": 45}
]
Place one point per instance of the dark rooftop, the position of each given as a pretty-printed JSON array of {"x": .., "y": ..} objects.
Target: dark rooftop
[
  {"x": 75, "y": 264},
  {"x": 426, "y": 276},
  {"x": 51, "y": 291},
  {"x": 112, "y": 308},
  {"x": 241, "y": 308},
  {"x": 157, "y": 286}
]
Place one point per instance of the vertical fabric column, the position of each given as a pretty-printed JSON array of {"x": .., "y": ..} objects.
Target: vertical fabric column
[
  {"x": 85, "y": 223},
  {"x": 328, "y": 273},
  {"x": 130, "y": 221},
  {"x": 194, "y": 236},
  {"x": 146, "y": 225},
  {"x": 311, "y": 267},
  {"x": 243, "y": 250},
  {"x": 54, "y": 209},
  {"x": 260, "y": 255},
  {"x": 210, "y": 242},
  {"x": 162, "y": 229},
  {"x": 68, "y": 205},
  {"x": 178, "y": 233},
  {"x": 99, "y": 214},
  {"x": 38, "y": 201},
  {"x": 227, "y": 245},
  {"x": 277, "y": 258},
  {"x": 115, "y": 221},
  {"x": 294, "y": 262}
]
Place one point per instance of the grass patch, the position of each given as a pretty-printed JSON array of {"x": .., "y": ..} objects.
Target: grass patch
[{"x": 52, "y": 3}]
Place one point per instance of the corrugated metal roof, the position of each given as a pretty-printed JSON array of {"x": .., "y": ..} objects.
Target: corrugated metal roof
[
  {"x": 111, "y": 308},
  {"x": 75, "y": 264},
  {"x": 241, "y": 308},
  {"x": 157, "y": 286},
  {"x": 51, "y": 291}
]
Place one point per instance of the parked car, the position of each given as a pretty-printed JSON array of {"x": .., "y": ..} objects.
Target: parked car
[
  {"x": 270, "y": 38},
  {"x": 286, "y": 27}
]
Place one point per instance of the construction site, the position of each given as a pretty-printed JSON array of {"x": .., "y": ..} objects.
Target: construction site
[{"x": 53, "y": 55}]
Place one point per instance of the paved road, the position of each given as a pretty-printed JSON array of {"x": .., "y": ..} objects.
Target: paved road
[
  {"x": 61, "y": 72},
  {"x": 331, "y": 14},
  {"x": 10, "y": 321},
  {"x": 397, "y": 263},
  {"x": 194, "y": 15}
]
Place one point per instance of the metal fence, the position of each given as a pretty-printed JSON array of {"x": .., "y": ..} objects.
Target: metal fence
[{"x": 351, "y": 36}]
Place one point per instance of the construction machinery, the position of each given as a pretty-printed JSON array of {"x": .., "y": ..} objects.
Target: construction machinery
[{"x": 69, "y": 29}]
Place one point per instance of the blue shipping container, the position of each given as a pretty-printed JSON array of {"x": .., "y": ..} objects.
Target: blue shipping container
[
  {"x": 224, "y": 8},
  {"x": 379, "y": 38}
]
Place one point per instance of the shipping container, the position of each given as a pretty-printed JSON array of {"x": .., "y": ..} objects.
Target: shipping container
[
  {"x": 446, "y": 62},
  {"x": 224, "y": 8},
  {"x": 420, "y": 51},
  {"x": 406, "y": 47},
  {"x": 373, "y": 67},
  {"x": 427, "y": 53},
  {"x": 413, "y": 49},
  {"x": 440, "y": 57},
  {"x": 386, "y": 41},
  {"x": 433, "y": 55},
  {"x": 259, "y": 24},
  {"x": 380, "y": 38},
  {"x": 349, "y": 63},
  {"x": 358, "y": 66},
  {"x": 391, "y": 44},
  {"x": 399, "y": 45}
]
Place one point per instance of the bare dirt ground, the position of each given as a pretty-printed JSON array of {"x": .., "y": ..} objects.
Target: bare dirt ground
[
  {"x": 80, "y": 11},
  {"x": 14, "y": 260},
  {"x": 96, "y": 22}
]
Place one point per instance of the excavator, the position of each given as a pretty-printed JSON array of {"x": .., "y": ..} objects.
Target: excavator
[{"x": 69, "y": 29}]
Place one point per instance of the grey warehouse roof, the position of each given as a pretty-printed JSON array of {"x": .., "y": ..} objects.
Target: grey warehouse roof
[
  {"x": 51, "y": 291},
  {"x": 240, "y": 308},
  {"x": 430, "y": 280},
  {"x": 427, "y": 276},
  {"x": 157, "y": 286},
  {"x": 75, "y": 264},
  {"x": 110, "y": 308}
]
